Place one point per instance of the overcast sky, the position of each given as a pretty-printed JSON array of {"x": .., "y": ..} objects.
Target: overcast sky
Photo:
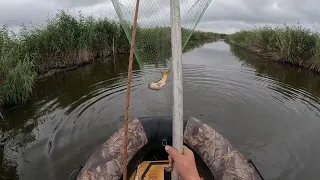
[{"x": 221, "y": 16}]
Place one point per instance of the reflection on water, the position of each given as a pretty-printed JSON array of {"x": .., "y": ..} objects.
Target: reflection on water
[
  {"x": 296, "y": 77},
  {"x": 268, "y": 111}
]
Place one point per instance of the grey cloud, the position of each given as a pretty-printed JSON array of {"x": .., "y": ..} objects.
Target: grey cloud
[
  {"x": 99, "y": 10},
  {"x": 264, "y": 11},
  {"x": 78, "y": 3},
  {"x": 160, "y": 14},
  {"x": 252, "y": 11},
  {"x": 231, "y": 12},
  {"x": 222, "y": 15},
  {"x": 14, "y": 14},
  {"x": 221, "y": 26}
]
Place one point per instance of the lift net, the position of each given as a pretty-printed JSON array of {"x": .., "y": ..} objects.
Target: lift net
[
  {"x": 152, "y": 49},
  {"x": 153, "y": 36}
]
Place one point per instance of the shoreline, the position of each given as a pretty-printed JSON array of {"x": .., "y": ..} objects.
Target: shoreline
[
  {"x": 70, "y": 67},
  {"x": 67, "y": 42},
  {"x": 292, "y": 45},
  {"x": 275, "y": 57},
  {"x": 41, "y": 73}
]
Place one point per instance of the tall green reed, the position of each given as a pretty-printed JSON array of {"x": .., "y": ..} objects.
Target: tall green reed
[
  {"x": 63, "y": 42},
  {"x": 16, "y": 74},
  {"x": 295, "y": 44}
]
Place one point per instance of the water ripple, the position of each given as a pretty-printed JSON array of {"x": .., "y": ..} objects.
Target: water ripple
[{"x": 264, "y": 112}]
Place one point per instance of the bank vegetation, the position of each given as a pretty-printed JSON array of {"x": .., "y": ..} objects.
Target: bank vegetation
[{"x": 64, "y": 42}]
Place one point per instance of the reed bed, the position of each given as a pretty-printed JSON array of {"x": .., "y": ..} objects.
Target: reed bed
[
  {"x": 288, "y": 44},
  {"x": 63, "y": 42}
]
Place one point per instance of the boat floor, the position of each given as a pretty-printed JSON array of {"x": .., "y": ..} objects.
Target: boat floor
[{"x": 150, "y": 170}]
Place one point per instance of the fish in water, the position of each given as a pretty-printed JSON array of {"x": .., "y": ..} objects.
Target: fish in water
[{"x": 158, "y": 85}]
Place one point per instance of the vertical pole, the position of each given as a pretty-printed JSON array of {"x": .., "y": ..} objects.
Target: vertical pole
[
  {"x": 126, "y": 123},
  {"x": 177, "y": 128}
]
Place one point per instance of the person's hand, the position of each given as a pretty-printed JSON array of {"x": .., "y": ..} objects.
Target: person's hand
[{"x": 184, "y": 163}]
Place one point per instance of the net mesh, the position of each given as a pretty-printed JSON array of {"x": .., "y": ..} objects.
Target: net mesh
[
  {"x": 153, "y": 46},
  {"x": 153, "y": 37}
]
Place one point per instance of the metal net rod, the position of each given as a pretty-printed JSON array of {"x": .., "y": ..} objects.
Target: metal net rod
[{"x": 177, "y": 111}]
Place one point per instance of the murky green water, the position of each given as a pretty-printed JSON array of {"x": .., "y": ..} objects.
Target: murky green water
[{"x": 270, "y": 112}]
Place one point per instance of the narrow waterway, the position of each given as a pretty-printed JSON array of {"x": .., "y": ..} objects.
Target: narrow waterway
[{"x": 270, "y": 112}]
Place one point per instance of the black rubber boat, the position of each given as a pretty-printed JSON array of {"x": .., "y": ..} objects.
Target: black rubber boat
[{"x": 215, "y": 156}]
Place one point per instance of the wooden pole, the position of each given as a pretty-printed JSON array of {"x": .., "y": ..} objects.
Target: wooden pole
[
  {"x": 126, "y": 123},
  {"x": 177, "y": 110}
]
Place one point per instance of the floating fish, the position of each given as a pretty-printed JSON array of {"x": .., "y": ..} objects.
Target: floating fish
[{"x": 158, "y": 85}]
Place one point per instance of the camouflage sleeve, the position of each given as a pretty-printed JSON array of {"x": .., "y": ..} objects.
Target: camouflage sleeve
[
  {"x": 106, "y": 163},
  {"x": 224, "y": 161}
]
